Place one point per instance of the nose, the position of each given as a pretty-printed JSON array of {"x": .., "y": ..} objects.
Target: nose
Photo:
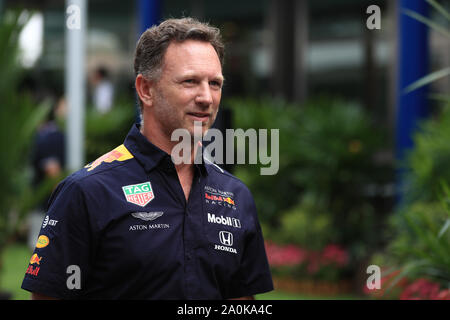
[{"x": 204, "y": 96}]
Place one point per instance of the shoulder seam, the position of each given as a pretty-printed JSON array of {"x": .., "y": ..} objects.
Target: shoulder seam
[
  {"x": 119, "y": 163},
  {"x": 224, "y": 172},
  {"x": 215, "y": 165}
]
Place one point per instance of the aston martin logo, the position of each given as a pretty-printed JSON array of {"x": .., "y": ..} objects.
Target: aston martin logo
[{"x": 147, "y": 216}]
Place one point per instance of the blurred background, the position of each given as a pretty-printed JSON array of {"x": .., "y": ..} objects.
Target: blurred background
[{"x": 362, "y": 109}]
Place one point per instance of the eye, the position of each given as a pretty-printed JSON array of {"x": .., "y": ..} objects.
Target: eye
[{"x": 216, "y": 84}]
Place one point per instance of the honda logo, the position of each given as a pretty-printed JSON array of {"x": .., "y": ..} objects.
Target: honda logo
[{"x": 226, "y": 238}]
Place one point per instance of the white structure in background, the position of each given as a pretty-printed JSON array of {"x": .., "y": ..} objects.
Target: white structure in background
[
  {"x": 31, "y": 39},
  {"x": 103, "y": 96},
  {"x": 76, "y": 18}
]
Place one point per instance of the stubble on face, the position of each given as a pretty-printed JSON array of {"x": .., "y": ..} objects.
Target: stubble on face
[{"x": 168, "y": 120}]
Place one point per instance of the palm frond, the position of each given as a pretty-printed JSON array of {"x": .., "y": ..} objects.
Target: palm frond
[
  {"x": 439, "y": 8},
  {"x": 427, "y": 80},
  {"x": 430, "y": 23}
]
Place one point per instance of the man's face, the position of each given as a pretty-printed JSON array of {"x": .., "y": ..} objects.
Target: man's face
[{"x": 189, "y": 88}]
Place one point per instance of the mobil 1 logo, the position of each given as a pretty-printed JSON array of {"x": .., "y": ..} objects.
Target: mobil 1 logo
[{"x": 226, "y": 221}]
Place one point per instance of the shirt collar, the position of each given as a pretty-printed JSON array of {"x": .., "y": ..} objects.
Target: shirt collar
[{"x": 149, "y": 155}]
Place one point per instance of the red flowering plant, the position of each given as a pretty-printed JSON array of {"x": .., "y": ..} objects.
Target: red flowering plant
[
  {"x": 284, "y": 259},
  {"x": 290, "y": 260},
  {"x": 424, "y": 289},
  {"x": 328, "y": 264}
]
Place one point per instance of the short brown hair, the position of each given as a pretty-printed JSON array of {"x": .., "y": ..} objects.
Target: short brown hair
[{"x": 153, "y": 43}]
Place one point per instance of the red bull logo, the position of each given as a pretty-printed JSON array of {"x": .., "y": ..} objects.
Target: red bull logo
[
  {"x": 32, "y": 271},
  {"x": 213, "y": 197},
  {"x": 35, "y": 259},
  {"x": 229, "y": 200},
  {"x": 118, "y": 154}
]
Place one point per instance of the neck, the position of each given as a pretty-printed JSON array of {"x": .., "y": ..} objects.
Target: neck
[{"x": 156, "y": 135}]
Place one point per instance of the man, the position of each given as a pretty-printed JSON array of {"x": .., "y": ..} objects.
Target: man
[
  {"x": 132, "y": 225},
  {"x": 48, "y": 161},
  {"x": 103, "y": 90}
]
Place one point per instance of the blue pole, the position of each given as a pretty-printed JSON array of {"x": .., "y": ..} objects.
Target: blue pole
[
  {"x": 149, "y": 14},
  {"x": 412, "y": 65}
]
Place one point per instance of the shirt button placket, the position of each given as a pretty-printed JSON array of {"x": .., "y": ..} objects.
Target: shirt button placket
[
  {"x": 191, "y": 239},
  {"x": 190, "y": 267}
]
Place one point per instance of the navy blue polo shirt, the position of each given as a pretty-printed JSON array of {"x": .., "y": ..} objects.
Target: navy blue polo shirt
[{"x": 121, "y": 228}]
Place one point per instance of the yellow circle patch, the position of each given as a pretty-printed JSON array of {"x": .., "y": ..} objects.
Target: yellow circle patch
[{"x": 42, "y": 242}]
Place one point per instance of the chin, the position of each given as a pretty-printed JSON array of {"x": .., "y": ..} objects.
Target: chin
[
  {"x": 205, "y": 127},
  {"x": 203, "y": 132}
]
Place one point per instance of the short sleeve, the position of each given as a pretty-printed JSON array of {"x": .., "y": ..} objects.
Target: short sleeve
[
  {"x": 59, "y": 265},
  {"x": 254, "y": 274}
]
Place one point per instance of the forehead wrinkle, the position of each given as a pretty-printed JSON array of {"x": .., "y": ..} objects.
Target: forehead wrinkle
[
  {"x": 189, "y": 72},
  {"x": 190, "y": 56}
]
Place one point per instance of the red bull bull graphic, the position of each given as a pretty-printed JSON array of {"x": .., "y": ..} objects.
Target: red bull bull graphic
[
  {"x": 35, "y": 259},
  {"x": 228, "y": 200},
  {"x": 118, "y": 154}
]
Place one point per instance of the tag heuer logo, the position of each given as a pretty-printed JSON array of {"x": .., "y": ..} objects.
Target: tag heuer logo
[{"x": 140, "y": 194}]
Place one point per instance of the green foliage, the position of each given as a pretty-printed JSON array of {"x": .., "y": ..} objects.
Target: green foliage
[
  {"x": 268, "y": 114},
  {"x": 307, "y": 226},
  {"x": 428, "y": 163},
  {"x": 327, "y": 149},
  {"x": 336, "y": 142},
  {"x": 106, "y": 131},
  {"x": 15, "y": 257},
  {"x": 421, "y": 245},
  {"x": 420, "y": 226},
  {"x": 19, "y": 118}
]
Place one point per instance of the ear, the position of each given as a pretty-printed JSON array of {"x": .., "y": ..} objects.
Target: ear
[{"x": 144, "y": 90}]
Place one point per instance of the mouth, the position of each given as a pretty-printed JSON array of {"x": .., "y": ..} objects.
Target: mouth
[{"x": 199, "y": 116}]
